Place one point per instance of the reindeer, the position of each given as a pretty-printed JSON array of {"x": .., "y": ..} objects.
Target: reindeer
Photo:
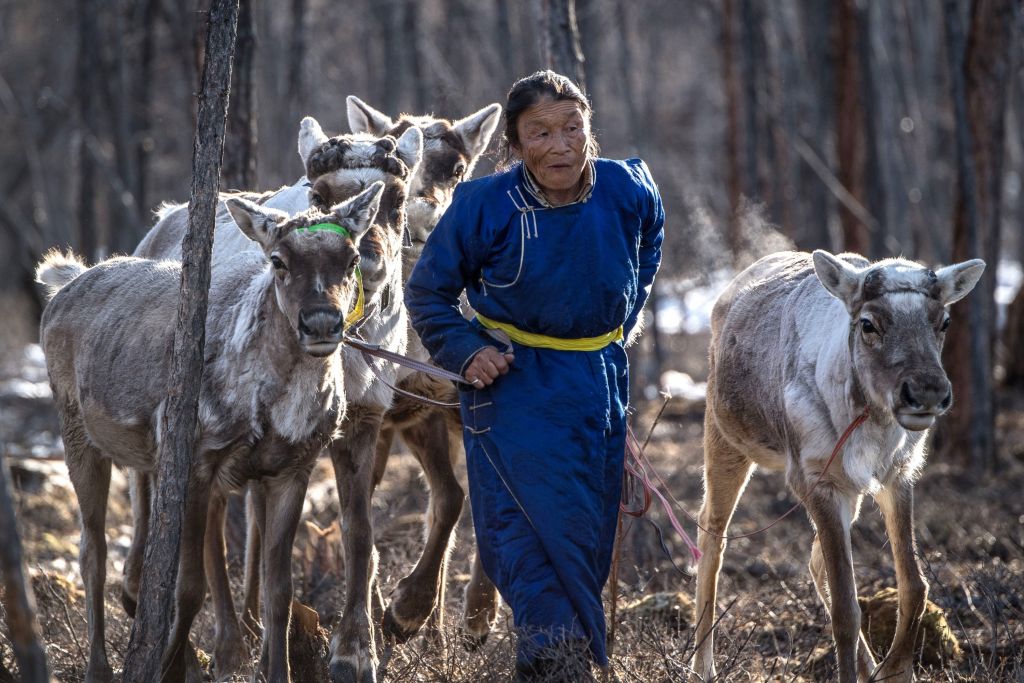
[
  {"x": 336, "y": 168},
  {"x": 794, "y": 359},
  {"x": 433, "y": 434},
  {"x": 272, "y": 393}
]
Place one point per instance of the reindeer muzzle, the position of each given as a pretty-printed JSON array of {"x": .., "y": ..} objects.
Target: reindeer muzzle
[
  {"x": 920, "y": 401},
  {"x": 320, "y": 330}
]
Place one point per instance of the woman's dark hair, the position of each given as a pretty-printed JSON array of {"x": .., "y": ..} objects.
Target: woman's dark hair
[{"x": 528, "y": 91}]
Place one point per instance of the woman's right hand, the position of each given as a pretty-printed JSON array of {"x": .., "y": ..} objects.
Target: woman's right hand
[{"x": 487, "y": 365}]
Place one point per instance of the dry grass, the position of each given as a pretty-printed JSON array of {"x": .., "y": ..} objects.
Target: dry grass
[{"x": 772, "y": 628}]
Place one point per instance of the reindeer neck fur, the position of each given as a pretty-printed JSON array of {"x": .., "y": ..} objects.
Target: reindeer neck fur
[
  {"x": 265, "y": 377},
  {"x": 825, "y": 397},
  {"x": 291, "y": 199}
]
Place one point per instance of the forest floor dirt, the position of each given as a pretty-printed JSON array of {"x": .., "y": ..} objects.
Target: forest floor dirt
[{"x": 970, "y": 534}]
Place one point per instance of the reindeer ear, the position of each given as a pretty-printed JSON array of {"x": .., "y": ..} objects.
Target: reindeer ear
[
  {"x": 842, "y": 280},
  {"x": 476, "y": 129},
  {"x": 311, "y": 136},
  {"x": 358, "y": 213},
  {"x": 362, "y": 118},
  {"x": 410, "y": 148},
  {"x": 259, "y": 223},
  {"x": 957, "y": 281}
]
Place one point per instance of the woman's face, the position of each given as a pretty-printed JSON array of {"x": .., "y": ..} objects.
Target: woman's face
[{"x": 553, "y": 144}]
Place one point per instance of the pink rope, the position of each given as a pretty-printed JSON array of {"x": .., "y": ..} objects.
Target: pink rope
[{"x": 640, "y": 465}]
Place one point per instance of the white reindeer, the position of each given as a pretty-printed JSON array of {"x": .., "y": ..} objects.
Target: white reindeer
[{"x": 795, "y": 359}]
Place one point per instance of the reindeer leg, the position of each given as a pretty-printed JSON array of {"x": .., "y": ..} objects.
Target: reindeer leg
[
  {"x": 353, "y": 652},
  {"x": 179, "y": 661},
  {"x": 90, "y": 475},
  {"x": 255, "y": 513},
  {"x": 726, "y": 472},
  {"x": 139, "y": 493},
  {"x": 229, "y": 651},
  {"x": 284, "y": 508},
  {"x": 865, "y": 660},
  {"x": 382, "y": 453},
  {"x": 897, "y": 504},
  {"x": 832, "y": 514},
  {"x": 481, "y": 606},
  {"x": 421, "y": 593}
]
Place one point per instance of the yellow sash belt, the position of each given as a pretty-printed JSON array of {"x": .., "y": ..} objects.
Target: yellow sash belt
[{"x": 545, "y": 342}]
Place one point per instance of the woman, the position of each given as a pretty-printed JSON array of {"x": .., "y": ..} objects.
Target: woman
[{"x": 557, "y": 255}]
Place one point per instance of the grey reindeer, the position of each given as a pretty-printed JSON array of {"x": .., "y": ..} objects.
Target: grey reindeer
[
  {"x": 336, "y": 169},
  {"x": 800, "y": 346},
  {"x": 433, "y": 434},
  {"x": 272, "y": 393}
]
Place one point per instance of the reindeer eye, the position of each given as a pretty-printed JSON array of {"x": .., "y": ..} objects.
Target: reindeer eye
[
  {"x": 278, "y": 263},
  {"x": 945, "y": 324},
  {"x": 867, "y": 327},
  {"x": 459, "y": 170}
]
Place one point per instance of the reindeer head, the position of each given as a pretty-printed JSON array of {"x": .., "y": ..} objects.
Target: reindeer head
[
  {"x": 313, "y": 257},
  {"x": 898, "y": 319},
  {"x": 345, "y": 165},
  {"x": 450, "y": 151}
]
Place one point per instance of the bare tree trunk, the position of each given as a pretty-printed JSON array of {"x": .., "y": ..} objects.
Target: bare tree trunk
[
  {"x": 175, "y": 452},
  {"x": 18, "y": 600},
  {"x": 750, "y": 66},
  {"x": 88, "y": 68},
  {"x": 734, "y": 166},
  {"x": 240, "y": 145},
  {"x": 143, "y": 142},
  {"x": 412, "y": 23},
  {"x": 980, "y": 78},
  {"x": 560, "y": 39},
  {"x": 296, "y": 85},
  {"x": 850, "y": 116},
  {"x": 873, "y": 181},
  {"x": 506, "y": 42},
  {"x": 1013, "y": 339}
]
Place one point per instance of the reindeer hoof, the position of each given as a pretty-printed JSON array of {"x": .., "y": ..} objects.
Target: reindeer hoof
[
  {"x": 229, "y": 657},
  {"x": 393, "y": 628},
  {"x": 471, "y": 641},
  {"x": 346, "y": 672}
]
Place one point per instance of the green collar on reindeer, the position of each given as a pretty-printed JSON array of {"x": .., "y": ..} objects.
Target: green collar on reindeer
[{"x": 330, "y": 227}]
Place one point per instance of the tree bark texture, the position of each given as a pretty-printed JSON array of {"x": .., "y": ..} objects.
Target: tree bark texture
[
  {"x": 850, "y": 118},
  {"x": 561, "y": 50},
  {"x": 734, "y": 165},
  {"x": 160, "y": 566},
  {"x": 1013, "y": 341},
  {"x": 18, "y": 601},
  {"x": 88, "y": 120},
  {"x": 981, "y": 75},
  {"x": 239, "y": 171}
]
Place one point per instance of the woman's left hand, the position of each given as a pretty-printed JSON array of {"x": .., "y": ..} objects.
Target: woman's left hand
[{"x": 487, "y": 365}]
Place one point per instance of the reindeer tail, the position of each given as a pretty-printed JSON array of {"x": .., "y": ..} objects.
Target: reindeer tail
[{"x": 58, "y": 269}]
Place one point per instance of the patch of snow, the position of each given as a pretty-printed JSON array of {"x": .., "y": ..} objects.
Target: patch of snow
[
  {"x": 686, "y": 307},
  {"x": 23, "y": 388},
  {"x": 1009, "y": 277},
  {"x": 681, "y": 385}
]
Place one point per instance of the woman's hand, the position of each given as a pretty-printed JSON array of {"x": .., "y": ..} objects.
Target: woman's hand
[{"x": 487, "y": 365}]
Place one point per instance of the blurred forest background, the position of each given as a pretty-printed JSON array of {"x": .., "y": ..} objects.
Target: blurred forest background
[{"x": 885, "y": 128}]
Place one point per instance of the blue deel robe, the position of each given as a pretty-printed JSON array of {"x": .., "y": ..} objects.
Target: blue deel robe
[{"x": 544, "y": 443}]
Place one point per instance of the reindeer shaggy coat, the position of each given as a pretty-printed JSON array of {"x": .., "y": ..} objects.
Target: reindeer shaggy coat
[
  {"x": 799, "y": 347},
  {"x": 272, "y": 393}
]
